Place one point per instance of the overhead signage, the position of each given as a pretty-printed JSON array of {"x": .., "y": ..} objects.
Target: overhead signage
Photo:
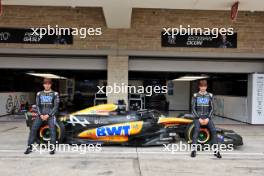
[
  {"x": 200, "y": 40},
  {"x": 27, "y": 36}
]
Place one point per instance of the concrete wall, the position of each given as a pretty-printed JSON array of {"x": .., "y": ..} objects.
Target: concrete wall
[
  {"x": 117, "y": 74},
  {"x": 10, "y": 101}
]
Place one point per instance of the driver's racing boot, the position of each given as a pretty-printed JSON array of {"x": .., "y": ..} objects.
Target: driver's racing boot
[
  {"x": 52, "y": 150},
  {"x": 28, "y": 150},
  {"x": 193, "y": 154},
  {"x": 217, "y": 154}
]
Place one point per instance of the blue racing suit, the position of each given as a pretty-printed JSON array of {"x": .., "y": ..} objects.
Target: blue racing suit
[
  {"x": 47, "y": 104},
  {"x": 202, "y": 107}
]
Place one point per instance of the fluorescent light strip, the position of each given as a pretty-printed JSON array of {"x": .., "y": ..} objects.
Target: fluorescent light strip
[
  {"x": 190, "y": 78},
  {"x": 47, "y": 75}
]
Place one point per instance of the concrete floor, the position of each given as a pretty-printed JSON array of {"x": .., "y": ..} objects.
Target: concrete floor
[{"x": 114, "y": 160}]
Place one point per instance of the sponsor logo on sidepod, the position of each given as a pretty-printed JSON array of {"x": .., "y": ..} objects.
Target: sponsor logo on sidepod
[{"x": 113, "y": 130}]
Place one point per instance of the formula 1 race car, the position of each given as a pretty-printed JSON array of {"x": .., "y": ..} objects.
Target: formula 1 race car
[{"x": 112, "y": 124}]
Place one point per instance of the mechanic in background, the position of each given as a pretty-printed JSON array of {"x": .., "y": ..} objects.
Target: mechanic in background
[
  {"x": 202, "y": 109},
  {"x": 47, "y": 103}
]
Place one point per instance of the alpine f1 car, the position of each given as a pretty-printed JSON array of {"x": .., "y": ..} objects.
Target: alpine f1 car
[{"x": 112, "y": 124}]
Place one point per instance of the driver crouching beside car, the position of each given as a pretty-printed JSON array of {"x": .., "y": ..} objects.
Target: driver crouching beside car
[{"x": 202, "y": 109}]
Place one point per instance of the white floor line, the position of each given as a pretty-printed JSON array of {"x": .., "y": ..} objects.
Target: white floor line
[{"x": 172, "y": 153}]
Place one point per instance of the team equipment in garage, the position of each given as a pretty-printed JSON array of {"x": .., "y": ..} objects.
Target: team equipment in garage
[{"x": 111, "y": 124}]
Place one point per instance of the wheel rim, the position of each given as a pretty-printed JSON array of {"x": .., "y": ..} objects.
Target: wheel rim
[
  {"x": 44, "y": 133},
  {"x": 203, "y": 136}
]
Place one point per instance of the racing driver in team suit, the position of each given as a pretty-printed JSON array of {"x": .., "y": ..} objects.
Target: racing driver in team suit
[
  {"x": 47, "y": 103},
  {"x": 202, "y": 109}
]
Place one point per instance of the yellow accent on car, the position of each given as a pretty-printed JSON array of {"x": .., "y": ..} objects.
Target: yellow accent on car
[
  {"x": 98, "y": 109},
  {"x": 174, "y": 120}
]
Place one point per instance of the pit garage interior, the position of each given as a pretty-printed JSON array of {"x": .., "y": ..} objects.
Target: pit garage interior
[
  {"x": 229, "y": 80},
  {"x": 77, "y": 78}
]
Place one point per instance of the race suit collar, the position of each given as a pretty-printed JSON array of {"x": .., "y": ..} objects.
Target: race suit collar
[
  {"x": 203, "y": 93},
  {"x": 47, "y": 91}
]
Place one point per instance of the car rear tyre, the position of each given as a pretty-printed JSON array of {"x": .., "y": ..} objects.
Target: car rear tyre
[
  {"x": 43, "y": 135},
  {"x": 204, "y": 136}
]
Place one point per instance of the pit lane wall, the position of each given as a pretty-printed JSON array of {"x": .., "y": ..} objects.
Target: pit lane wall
[
  {"x": 11, "y": 102},
  {"x": 231, "y": 107}
]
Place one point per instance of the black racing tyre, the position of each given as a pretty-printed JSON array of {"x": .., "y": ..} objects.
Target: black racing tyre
[
  {"x": 43, "y": 135},
  {"x": 204, "y": 136}
]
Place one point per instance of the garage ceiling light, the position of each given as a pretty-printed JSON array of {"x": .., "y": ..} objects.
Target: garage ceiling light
[
  {"x": 47, "y": 75},
  {"x": 190, "y": 78}
]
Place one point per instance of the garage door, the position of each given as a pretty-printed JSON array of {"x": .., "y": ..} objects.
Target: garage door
[
  {"x": 54, "y": 62},
  {"x": 195, "y": 65}
]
